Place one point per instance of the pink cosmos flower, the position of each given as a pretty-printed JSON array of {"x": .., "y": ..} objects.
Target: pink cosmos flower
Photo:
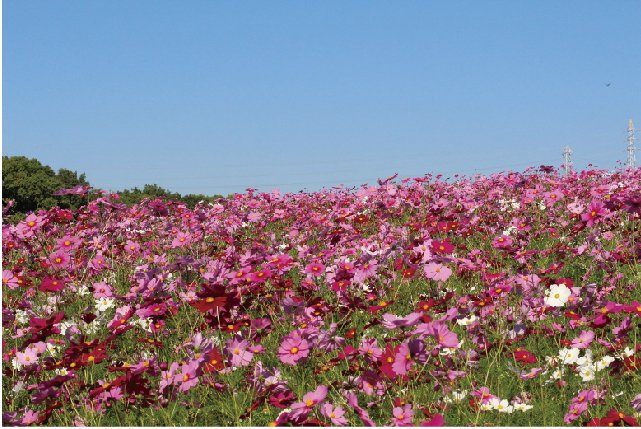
[
  {"x": 260, "y": 276},
  {"x": 392, "y": 321},
  {"x": 98, "y": 262},
  {"x": 187, "y": 377},
  {"x": 483, "y": 395},
  {"x": 239, "y": 352},
  {"x": 9, "y": 279},
  {"x": 168, "y": 378},
  {"x": 310, "y": 400},
  {"x": 315, "y": 269},
  {"x": 402, "y": 415},
  {"x": 292, "y": 349},
  {"x": 437, "y": 272},
  {"x": 132, "y": 247},
  {"x": 402, "y": 360},
  {"x": 68, "y": 243},
  {"x": 59, "y": 259},
  {"x": 583, "y": 340},
  {"x": 102, "y": 290},
  {"x": 182, "y": 239},
  {"x": 502, "y": 242},
  {"x": 369, "y": 348},
  {"x": 30, "y": 417},
  {"x": 335, "y": 414},
  {"x": 594, "y": 212},
  {"x": 443, "y": 335}
]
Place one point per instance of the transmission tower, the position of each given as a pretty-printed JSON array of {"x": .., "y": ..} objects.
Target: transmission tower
[
  {"x": 567, "y": 159},
  {"x": 631, "y": 148}
]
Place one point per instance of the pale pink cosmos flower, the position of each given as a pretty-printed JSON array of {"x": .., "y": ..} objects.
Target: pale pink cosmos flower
[
  {"x": 102, "y": 290},
  {"x": 369, "y": 348},
  {"x": 437, "y": 272},
  {"x": 28, "y": 357},
  {"x": 335, "y": 414},
  {"x": 584, "y": 340},
  {"x": 402, "y": 415}
]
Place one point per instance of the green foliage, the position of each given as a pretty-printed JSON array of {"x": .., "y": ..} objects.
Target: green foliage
[
  {"x": 32, "y": 185},
  {"x": 136, "y": 195}
]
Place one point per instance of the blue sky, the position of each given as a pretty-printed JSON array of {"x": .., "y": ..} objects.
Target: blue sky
[{"x": 218, "y": 96}]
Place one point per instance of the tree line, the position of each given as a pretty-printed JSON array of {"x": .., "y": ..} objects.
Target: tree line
[{"x": 33, "y": 185}]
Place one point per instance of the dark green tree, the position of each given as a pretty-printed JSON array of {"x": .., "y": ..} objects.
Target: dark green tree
[
  {"x": 32, "y": 184},
  {"x": 29, "y": 183}
]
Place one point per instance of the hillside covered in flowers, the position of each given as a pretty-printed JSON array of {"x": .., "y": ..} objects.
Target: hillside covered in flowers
[{"x": 511, "y": 299}]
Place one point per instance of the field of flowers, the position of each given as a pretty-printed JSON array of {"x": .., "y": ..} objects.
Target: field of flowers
[{"x": 512, "y": 299}]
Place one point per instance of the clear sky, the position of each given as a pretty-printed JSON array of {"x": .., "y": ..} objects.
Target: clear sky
[{"x": 217, "y": 96}]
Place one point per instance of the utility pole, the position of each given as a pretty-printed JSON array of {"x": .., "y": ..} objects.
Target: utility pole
[
  {"x": 567, "y": 159},
  {"x": 631, "y": 148}
]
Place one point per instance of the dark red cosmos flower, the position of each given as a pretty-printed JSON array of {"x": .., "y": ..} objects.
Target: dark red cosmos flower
[
  {"x": 381, "y": 305},
  {"x": 614, "y": 418},
  {"x": 40, "y": 329},
  {"x": 282, "y": 399},
  {"x": 213, "y": 361},
  {"x": 215, "y": 297},
  {"x": 443, "y": 247},
  {"x": 427, "y": 305},
  {"x": 523, "y": 356},
  {"x": 51, "y": 284},
  {"x": 632, "y": 363},
  {"x": 632, "y": 205},
  {"x": 387, "y": 360},
  {"x": 340, "y": 286}
]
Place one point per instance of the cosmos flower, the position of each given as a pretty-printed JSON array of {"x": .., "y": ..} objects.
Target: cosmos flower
[
  {"x": 239, "y": 353},
  {"x": 292, "y": 349},
  {"x": 557, "y": 295},
  {"x": 437, "y": 272},
  {"x": 335, "y": 414}
]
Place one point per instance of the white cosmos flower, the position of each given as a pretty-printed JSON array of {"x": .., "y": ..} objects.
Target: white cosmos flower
[
  {"x": 587, "y": 372},
  {"x": 522, "y": 407},
  {"x": 604, "y": 362},
  {"x": 22, "y": 317},
  {"x": 467, "y": 320},
  {"x": 569, "y": 356},
  {"x": 104, "y": 304},
  {"x": 503, "y": 406},
  {"x": 557, "y": 295}
]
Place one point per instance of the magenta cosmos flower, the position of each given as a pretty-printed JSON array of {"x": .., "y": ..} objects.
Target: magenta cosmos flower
[
  {"x": 315, "y": 269},
  {"x": 292, "y": 349}
]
